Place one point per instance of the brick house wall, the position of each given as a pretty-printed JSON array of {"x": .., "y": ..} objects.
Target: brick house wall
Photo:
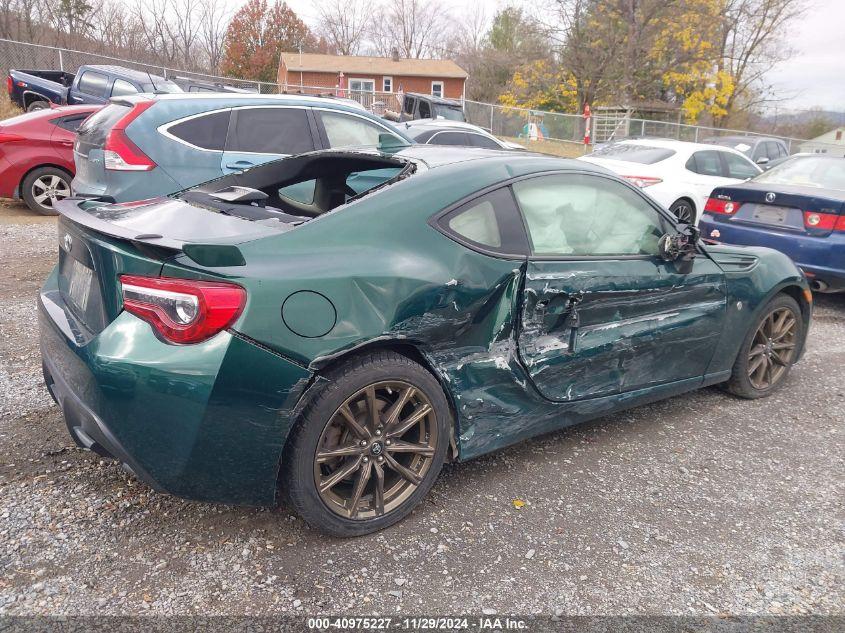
[{"x": 453, "y": 88}]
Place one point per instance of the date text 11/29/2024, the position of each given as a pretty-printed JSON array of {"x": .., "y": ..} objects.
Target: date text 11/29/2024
[{"x": 482, "y": 623}]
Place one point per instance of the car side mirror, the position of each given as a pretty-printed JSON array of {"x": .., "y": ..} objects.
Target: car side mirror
[
  {"x": 680, "y": 246},
  {"x": 763, "y": 160}
]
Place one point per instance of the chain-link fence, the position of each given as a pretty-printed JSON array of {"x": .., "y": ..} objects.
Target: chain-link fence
[
  {"x": 23, "y": 56},
  {"x": 536, "y": 128}
]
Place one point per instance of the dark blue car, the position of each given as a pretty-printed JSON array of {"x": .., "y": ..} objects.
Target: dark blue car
[{"x": 798, "y": 208}]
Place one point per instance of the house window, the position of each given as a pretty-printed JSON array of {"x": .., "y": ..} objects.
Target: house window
[
  {"x": 387, "y": 84},
  {"x": 436, "y": 88},
  {"x": 362, "y": 85}
]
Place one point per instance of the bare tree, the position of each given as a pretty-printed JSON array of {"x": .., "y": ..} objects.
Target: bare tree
[
  {"x": 413, "y": 28},
  {"x": 182, "y": 25},
  {"x": 151, "y": 20},
  {"x": 752, "y": 42},
  {"x": 344, "y": 24},
  {"x": 213, "y": 22}
]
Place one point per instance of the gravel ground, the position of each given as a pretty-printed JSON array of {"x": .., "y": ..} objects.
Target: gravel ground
[{"x": 698, "y": 505}]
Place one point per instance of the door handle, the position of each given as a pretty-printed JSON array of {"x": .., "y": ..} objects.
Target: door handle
[
  {"x": 65, "y": 143},
  {"x": 239, "y": 164}
]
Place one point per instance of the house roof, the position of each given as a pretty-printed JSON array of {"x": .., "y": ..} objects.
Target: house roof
[{"x": 350, "y": 65}]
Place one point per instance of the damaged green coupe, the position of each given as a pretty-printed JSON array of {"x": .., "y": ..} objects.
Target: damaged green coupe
[{"x": 334, "y": 326}]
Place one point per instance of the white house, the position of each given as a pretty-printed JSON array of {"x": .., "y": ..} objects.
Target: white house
[{"x": 832, "y": 143}]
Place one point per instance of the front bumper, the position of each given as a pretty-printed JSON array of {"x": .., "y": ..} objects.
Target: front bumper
[{"x": 206, "y": 421}]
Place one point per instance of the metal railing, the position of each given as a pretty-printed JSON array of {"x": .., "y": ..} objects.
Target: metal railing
[{"x": 511, "y": 122}]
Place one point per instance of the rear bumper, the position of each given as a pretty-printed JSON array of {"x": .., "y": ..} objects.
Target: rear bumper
[
  {"x": 821, "y": 258},
  {"x": 205, "y": 421}
]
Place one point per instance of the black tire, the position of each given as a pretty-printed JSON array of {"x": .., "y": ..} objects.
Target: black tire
[
  {"x": 684, "y": 210},
  {"x": 37, "y": 189},
  {"x": 299, "y": 472},
  {"x": 38, "y": 104},
  {"x": 740, "y": 383}
]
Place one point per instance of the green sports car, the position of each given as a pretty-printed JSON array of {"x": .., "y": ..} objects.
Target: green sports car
[{"x": 333, "y": 326}]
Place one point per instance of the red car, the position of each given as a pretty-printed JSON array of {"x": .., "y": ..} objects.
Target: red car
[{"x": 36, "y": 155}]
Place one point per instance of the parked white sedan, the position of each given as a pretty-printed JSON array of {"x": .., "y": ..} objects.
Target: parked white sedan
[{"x": 679, "y": 175}]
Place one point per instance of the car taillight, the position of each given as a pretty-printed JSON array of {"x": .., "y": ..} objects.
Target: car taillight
[
  {"x": 725, "y": 207},
  {"x": 824, "y": 221},
  {"x": 643, "y": 181},
  {"x": 119, "y": 152},
  {"x": 183, "y": 310},
  {"x": 9, "y": 85}
]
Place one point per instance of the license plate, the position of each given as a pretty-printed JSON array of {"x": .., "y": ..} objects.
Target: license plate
[
  {"x": 79, "y": 284},
  {"x": 770, "y": 215}
]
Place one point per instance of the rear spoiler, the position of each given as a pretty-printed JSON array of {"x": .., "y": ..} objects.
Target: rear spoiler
[{"x": 206, "y": 253}]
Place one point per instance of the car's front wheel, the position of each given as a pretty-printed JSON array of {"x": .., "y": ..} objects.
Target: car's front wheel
[
  {"x": 42, "y": 188},
  {"x": 369, "y": 446},
  {"x": 769, "y": 350}
]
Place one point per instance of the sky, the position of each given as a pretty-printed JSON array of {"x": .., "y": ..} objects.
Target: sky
[{"x": 814, "y": 75}]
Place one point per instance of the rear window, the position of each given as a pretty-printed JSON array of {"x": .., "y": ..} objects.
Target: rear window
[
  {"x": 96, "y": 127},
  {"x": 807, "y": 171},
  {"x": 643, "y": 154},
  {"x": 206, "y": 132}
]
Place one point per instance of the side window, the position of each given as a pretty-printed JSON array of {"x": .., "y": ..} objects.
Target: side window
[
  {"x": 490, "y": 222},
  {"x": 207, "y": 131},
  {"x": 92, "y": 83},
  {"x": 706, "y": 163},
  {"x": 408, "y": 105},
  {"x": 579, "y": 215},
  {"x": 270, "y": 131},
  {"x": 759, "y": 151},
  {"x": 782, "y": 150},
  {"x": 449, "y": 138},
  {"x": 477, "y": 140},
  {"x": 120, "y": 88},
  {"x": 425, "y": 110},
  {"x": 344, "y": 130},
  {"x": 739, "y": 167}
]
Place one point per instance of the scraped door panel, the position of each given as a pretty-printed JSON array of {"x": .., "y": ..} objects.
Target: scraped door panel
[{"x": 637, "y": 324}]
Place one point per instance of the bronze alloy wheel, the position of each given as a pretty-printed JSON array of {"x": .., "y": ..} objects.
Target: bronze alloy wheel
[
  {"x": 773, "y": 348},
  {"x": 375, "y": 450}
]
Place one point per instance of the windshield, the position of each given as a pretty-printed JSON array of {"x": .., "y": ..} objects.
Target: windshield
[
  {"x": 643, "y": 154},
  {"x": 740, "y": 145},
  {"x": 807, "y": 171},
  {"x": 447, "y": 112}
]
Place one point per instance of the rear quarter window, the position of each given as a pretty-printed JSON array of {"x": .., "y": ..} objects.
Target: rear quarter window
[{"x": 207, "y": 131}]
